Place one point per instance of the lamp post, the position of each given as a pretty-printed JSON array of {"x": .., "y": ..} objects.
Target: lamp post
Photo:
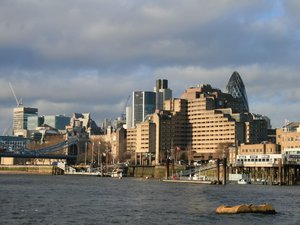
[
  {"x": 92, "y": 153},
  {"x": 224, "y": 166},
  {"x": 106, "y": 160},
  {"x": 85, "y": 153},
  {"x": 167, "y": 165},
  {"x": 173, "y": 159},
  {"x": 99, "y": 143}
]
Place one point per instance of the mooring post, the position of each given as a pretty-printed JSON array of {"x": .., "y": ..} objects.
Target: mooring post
[
  {"x": 279, "y": 171},
  {"x": 167, "y": 168},
  {"x": 218, "y": 171},
  {"x": 224, "y": 170}
]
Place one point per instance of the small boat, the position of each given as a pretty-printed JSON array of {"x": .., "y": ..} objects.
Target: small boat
[
  {"x": 117, "y": 172},
  {"x": 243, "y": 181},
  {"x": 264, "y": 208}
]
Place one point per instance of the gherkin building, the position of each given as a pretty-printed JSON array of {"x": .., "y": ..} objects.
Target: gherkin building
[{"x": 237, "y": 89}]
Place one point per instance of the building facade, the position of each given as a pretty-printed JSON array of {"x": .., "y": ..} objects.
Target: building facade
[
  {"x": 237, "y": 89},
  {"x": 288, "y": 137},
  {"x": 20, "y": 119},
  {"x": 204, "y": 122},
  {"x": 34, "y": 122},
  {"x": 163, "y": 93},
  {"x": 58, "y": 122},
  {"x": 144, "y": 104}
]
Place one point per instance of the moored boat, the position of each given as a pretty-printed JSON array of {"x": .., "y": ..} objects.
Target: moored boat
[{"x": 243, "y": 181}]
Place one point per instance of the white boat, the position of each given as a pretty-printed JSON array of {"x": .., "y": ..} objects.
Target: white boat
[
  {"x": 243, "y": 181},
  {"x": 199, "y": 177},
  {"x": 118, "y": 172}
]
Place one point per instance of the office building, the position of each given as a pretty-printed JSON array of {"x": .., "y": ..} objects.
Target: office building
[
  {"x": 237, "y": 89},
  {"x": 216, "y": 122},
  {"x": 20, "y": 119},
  {"x": 34, "y": 121},
  {"x": 288, "y": 137},
  {"x": 202, "y": 123},
  {"x": 162, "y": 93},
  {"x": 144, "y": 104},
  {"x": 129, "y": 123},
  {"x": 58, "y": 122}
]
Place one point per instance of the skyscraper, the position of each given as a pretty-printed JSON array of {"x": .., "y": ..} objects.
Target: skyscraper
[
  {"x": 237, "y": 89},
  {"x": 144, "y": 103},
  {"x": 162, "y": 93}
]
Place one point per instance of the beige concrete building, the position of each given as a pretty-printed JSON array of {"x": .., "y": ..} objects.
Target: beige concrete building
[
  {"x": 288, "y": 137},
  {"x": 131, "y": 140},
  {"x": 258, "y": 156},
  {"x": 212, "y": 124},
  {"x": 258, "y": 149},
  {"x": 141, "y": 141},
  {"x": 171, "y": 129},
  {"x": 117, "y": 144},
  {"x": 203, "y": 122}
]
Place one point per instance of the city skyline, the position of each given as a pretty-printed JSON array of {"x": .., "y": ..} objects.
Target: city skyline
[{"x": 91, "y": 55}]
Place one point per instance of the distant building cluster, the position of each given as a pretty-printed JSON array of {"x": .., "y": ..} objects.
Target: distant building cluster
[
  {"x": 200, "y": 123},
  {"x": 203, "y": 123}
]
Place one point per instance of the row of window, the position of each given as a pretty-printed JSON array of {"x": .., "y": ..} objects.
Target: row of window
[
  {"x": 292, "y": 146},
  {"x": 255, "y": 150},
  {"x": 214, "y": 132},
  {"x": 291, "y": 139},
  {"x": 255, "y": 160}
]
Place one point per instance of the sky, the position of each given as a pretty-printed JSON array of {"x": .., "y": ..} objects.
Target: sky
[{"x": 66, "y": 56}]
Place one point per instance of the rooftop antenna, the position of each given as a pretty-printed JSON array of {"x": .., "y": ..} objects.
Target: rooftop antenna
[{"x": 18, "y": 101}]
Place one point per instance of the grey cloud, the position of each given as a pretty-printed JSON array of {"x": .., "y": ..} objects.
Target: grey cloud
[
  {"x": 101, "y": 33},
  {"x": 89, "y": 55}
]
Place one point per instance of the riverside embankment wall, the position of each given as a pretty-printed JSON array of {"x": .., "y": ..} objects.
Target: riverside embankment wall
[
  {"x": 133, "y": 171},
  {"x": 25, "y": 169},
  {"x": 151, "y": 171}
]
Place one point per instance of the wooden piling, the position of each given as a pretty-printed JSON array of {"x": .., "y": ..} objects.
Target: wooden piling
[{"x": 218, "y": 170}]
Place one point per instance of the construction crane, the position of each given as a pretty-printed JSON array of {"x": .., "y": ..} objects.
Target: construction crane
[
  {"x": 19, "y": 101},
  {"x": 123, "y": 116}
]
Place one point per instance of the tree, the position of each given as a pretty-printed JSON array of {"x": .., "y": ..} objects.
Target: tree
[{"x": 223, "y": 150}]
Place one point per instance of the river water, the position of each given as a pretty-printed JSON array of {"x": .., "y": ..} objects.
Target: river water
[{"x": 46, "y": 199}]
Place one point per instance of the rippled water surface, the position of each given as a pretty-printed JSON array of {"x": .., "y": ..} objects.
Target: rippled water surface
[{"x": 37, "y": 199}]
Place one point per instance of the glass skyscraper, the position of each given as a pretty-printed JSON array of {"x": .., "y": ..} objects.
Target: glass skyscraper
[
  {"x": 237, "y": 89},
  {"x": 144, "y": 103}
]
